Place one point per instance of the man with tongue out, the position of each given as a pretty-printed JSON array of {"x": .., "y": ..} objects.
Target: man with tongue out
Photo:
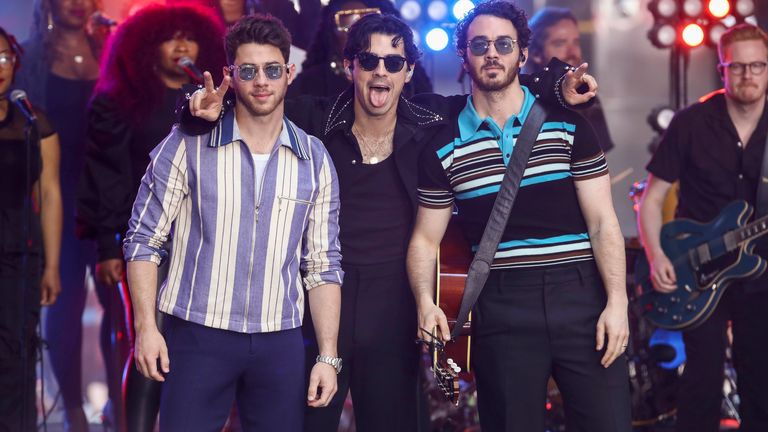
[{"x": 374, "y": 136}]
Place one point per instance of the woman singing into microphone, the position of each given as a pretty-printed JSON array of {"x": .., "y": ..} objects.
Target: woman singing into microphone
[{"x": 30, "y": 242}]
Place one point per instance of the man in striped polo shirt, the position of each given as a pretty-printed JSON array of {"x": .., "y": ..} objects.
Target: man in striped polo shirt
[
  {"x": 253, "y": 207},
  {"x": 555, "y": 302}
]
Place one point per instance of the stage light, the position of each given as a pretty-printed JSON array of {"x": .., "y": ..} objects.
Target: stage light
[
  {"x": 719, "y": 8},
  {"x": 410, "y": 10},
  {"x": 729, "y": 21},
  {"x": 437, "y": 39},
  {"x": 663, "y": 8},
  {"x": 693, "y": 35},
  {"x": 437, "y": 10},
  {"x": 692, "y": 8},
  {"x": 663, "y": 35},
  {"x": 714, "y": 33},
  {"x": 660, "y": 117},
  {"x": 744, "y": 8},
  {"x": 461, "y": 8}
]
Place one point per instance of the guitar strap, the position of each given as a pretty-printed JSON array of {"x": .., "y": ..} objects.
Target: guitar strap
[
  {"x": 761, "y": 204},
  {"x": 497, "y": 222}
]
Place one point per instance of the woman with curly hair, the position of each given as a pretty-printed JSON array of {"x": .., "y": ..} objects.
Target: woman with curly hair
[{"x": 131, "y": 111}]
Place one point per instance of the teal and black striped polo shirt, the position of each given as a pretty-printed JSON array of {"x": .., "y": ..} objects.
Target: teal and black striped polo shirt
[{"x": 546, "y": 226}]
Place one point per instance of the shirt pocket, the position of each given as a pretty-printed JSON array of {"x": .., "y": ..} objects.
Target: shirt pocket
[{"x": 294, "y": 210}]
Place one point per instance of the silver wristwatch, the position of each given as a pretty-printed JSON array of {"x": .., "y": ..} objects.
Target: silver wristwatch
[{"x": 333, "y": 361}]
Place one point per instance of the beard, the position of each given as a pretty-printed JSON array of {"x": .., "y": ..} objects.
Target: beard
[
  {"x": 256, "y": 108},
  {"x": 496, "y": 80}
]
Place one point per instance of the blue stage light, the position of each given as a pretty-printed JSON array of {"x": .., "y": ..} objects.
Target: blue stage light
[
  {"x": 437, "y": 39},
  {"x": 410, "y": 10},
  {"x": 462, "y": 7}
]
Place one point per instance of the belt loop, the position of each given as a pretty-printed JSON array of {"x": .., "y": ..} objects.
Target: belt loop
[{"x": 580, "y": 271}]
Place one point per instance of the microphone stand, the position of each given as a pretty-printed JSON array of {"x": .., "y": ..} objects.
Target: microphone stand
[{"x": 30, "y": 135}]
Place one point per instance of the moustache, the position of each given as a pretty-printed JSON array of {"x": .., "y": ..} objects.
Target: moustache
[{"x": 493, "y": 64}]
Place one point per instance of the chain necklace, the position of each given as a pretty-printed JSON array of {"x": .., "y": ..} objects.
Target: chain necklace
[{"x": 374, "y": 150}]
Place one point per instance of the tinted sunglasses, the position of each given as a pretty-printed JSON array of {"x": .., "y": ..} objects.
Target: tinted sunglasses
[
  {"x": 247, "y": 72},
  {"x": 504, "y": 45},
  {"x": 393, "y": 63},
  {"x": 344, "y": 19}
]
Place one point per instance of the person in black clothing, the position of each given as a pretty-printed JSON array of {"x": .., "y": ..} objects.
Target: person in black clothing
[
  {"x": 374, "y": 136},
  {"x": 132, "y": 110},
  {"x": 30, "y": 242},
  {"x": 555, "y": 33},
  {"x": 715, "y": 150},
  {"x": 59, "y": 72},
  {"x": 323, "y": 72}
]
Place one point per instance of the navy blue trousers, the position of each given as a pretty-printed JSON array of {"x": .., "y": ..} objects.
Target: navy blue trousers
[{"x": 212, "y": 368}]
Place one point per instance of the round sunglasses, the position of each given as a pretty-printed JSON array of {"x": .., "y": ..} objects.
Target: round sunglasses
[
  {"x": 247, "y": 72},
  {"x": 479, "y": 46},
  {"x": 393, "y": 63}
]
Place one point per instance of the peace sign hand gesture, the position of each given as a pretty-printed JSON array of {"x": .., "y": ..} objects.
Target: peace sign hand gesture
[{"x": 206, "y": 102}]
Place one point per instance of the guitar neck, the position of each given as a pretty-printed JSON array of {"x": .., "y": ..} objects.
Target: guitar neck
[{"x": 749, "y": 232}]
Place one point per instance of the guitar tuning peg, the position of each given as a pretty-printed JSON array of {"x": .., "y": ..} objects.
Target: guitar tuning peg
[{"x": 450, "y": 361}]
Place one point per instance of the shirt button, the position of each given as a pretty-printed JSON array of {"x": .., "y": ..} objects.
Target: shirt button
[
  {"x": 741, "y": 176},
  {"x": 507, "y": 155},
  {"x": 354, "y": 161},
  {"x": 739, "y": 144}
]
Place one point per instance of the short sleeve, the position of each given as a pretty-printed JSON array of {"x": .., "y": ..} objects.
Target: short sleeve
[
  {"x": 44, "y": 126},
  {"x": 587, "y": 159},
  {"x": 666, "y": 160},
  {"x": 434, "y": 189}
]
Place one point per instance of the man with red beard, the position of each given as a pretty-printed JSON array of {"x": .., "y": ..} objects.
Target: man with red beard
[
  {"x": 375, "y": 136},
  {"x": 555, "y": 302},
  {"x": 715, "y": 150}
]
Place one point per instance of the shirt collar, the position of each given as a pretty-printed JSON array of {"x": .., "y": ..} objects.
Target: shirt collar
[
  {"x": 470, "y": 121},
  {"x": 342, "y": 113},
  {"x": 227, "y": 132}
]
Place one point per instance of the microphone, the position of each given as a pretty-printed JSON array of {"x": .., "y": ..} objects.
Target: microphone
[
  {"x": 19, "y": 97},
  {"x": 189, "y": 67},
  {"x": 99, "y": 18}
]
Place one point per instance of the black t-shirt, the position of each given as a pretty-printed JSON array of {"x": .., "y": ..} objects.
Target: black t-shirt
[
  {"x": 13, "y": 175},
  {"x": 375, "y": 209}
]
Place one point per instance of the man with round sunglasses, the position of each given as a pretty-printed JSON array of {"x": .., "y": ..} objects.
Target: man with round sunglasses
[
  {"x": 555, "y": 301},
  {"x": 374, "y": 136},
  {"x": 253, "y": 207},
  {"x": 715, "y": 149}
]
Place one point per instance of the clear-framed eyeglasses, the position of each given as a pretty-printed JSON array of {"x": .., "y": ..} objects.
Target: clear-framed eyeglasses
[{"x": 247, "y": 71}]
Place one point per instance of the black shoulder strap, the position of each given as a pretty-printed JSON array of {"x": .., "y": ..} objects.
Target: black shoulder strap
[
  {"x": 761, "y": 204},
  {"x": 497, "y": 223}
]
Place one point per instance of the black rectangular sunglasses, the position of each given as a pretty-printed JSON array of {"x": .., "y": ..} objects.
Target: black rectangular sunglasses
[{"x": 393, "y": 63}]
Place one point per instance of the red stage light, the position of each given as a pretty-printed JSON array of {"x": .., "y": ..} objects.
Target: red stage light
[
  {"x": 693, "y": 35},
  {"x": 719, "y": 8}
]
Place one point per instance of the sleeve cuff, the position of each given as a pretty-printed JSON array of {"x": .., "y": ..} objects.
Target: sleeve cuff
[{"x": 313, "y": 280}]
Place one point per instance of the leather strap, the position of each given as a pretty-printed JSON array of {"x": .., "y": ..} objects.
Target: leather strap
[
  {"x": 497, "y": 223},
  {"x": 761, "y": 204}
]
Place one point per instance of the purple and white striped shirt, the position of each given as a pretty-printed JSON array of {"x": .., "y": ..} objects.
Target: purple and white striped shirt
[{"x": 238, "y": 263}]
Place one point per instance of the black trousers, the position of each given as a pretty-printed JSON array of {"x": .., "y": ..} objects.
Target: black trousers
[
  {"x": 380, "y": 357},
  {"x": 700, "y": 394},
  {"x": 530, "y": 324},
  {"x": 18, "y": 319}
]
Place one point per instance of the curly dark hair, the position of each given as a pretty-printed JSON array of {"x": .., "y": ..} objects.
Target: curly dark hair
[
  {"x": 498, "y": 8},
  {"x": 323, "y": 47},
  {"x": 16, "y": 48},
  {"x": 359, "y": 39},
  {"x": 260, "y": 29},
  {"x": 127, "y": 69}
]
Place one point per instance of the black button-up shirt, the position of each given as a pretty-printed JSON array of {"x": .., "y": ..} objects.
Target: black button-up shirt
[{"x": 702, "y": 149}]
